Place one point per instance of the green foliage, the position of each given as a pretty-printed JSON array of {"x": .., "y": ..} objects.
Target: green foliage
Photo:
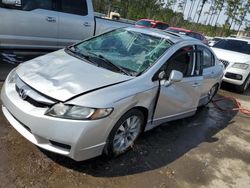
[{"x": 166, "y": 10}]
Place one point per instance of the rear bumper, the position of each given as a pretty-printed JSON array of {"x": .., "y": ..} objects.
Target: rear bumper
[{"x": 84, "y": 139}]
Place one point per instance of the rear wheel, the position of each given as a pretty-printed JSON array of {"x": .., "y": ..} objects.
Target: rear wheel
[
  {"x": 125, "y": 132},
  {"x": 242, "y": 88}
]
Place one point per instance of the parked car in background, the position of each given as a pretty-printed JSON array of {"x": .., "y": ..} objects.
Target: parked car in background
[
  {"x": 151, "y": 23},
  {"x": 49, "y": 25},
  {"x": 101, "y": 94},
  {"x": 189, "y": 33},
  {"x": 234, "y": 53},
  {"x": 214, "y": 40}
]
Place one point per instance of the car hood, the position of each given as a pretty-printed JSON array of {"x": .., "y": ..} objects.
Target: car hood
[
  {"x": 231, "y": 56},
  {"x": 62, "y": 76}
]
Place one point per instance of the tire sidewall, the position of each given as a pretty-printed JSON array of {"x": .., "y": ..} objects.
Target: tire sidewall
[
  {"x": 247, "y": 79},
  {"x": 109, "y": 145},
  {"x": 242, "y": 88}
]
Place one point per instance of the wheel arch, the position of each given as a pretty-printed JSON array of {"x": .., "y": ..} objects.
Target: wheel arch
[{"x": 145, "y": 112}]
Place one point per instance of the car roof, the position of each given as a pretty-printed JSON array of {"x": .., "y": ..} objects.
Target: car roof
[
  {"x": 180, "y": 29},
  {"x": 146, "y": 20},
  {"x": 174, "y": 37},
  {"x": 150, "y": 20},
  {"x": 239, "y": 39},
  {"x": 184, "y": 30}
]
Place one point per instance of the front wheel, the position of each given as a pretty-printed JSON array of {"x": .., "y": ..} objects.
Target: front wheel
[
  {"x": 242, "y": 88},
  {"x": 125, "y": 132}
]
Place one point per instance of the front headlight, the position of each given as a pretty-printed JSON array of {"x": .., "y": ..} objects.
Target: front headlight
[
  {"x": 12, "y": 76},
  {"x": 243, "y": 66},
  {"x": 65, "y": 111}
]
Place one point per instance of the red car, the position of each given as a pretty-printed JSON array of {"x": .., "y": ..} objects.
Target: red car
[
  {"x": 189, "y": 33},
  {"x": 151, "y": 23}
]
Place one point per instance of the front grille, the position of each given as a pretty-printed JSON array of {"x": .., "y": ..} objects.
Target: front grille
[
  {"x": 32, "y": 101},
  {"x": 225, "y": 63}
]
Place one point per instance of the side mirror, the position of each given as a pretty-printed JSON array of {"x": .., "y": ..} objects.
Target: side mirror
[
  {"x": 16, "y": 3},
  {"x": 175, "y": 76}
]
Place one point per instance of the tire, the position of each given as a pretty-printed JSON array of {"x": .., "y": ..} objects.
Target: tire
[
  {"x": 212, "y": 92},
  {"x": 122, "y": 137},
  {"x": 242, "y": 88}
]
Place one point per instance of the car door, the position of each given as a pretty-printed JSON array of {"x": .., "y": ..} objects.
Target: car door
[
  {"x": 209, "y": 70},
  {"x": 76, "y": 21},
  {"x": 180, "y": 99},
  {"x": 33, "y": 24}
]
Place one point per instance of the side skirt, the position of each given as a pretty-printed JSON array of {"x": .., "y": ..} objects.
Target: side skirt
[{"x": 156, "y": 122}]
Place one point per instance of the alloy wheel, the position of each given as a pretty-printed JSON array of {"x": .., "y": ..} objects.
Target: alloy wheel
[{"x": 127, "y": 133}]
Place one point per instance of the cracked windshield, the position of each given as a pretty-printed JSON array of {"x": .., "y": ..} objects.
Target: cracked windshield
[{"x": 130, "y": 50}]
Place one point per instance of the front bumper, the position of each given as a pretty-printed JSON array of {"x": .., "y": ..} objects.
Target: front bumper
[
  {"x": 232, "y": 72},
  {"x": 85, "y": 139}
]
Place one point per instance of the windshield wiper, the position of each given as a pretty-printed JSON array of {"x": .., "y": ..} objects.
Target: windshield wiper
[
  {"x": 74, "y": 51},
  {"x": 90, "y": 55},
  {"x": 110, "y": 63},
  {"x": 117, "y": 66}
]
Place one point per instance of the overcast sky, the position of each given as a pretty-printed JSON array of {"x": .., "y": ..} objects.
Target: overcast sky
[{"x": 203, "y": 17}]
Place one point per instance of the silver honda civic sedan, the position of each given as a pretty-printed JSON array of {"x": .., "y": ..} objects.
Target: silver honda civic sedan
[{"x": 99, "y": 95}]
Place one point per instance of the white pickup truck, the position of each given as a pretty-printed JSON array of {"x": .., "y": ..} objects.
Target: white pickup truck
[{"x": 49, "y": 24}]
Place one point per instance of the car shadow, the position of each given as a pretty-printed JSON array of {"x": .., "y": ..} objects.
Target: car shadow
[
  {"x": 232, "y": 88},
  {"x": 158, "y": 147}
]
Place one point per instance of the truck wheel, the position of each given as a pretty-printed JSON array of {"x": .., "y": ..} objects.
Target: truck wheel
[
  {"x": 125, "y": 132},
  {"x": 242, "y": 88}
]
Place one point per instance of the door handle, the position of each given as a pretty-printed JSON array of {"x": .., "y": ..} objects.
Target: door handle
[
  {"x": 51, "y": 19},
  {"x": 86, "y": 24},
  {"x": 196, "y": 85}
]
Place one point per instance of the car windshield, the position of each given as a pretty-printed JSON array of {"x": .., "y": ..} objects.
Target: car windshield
[
  {"x": 144, "y": 23},
  {"x": 234, "y": 45},
  {"x": 130, "y": 51}
]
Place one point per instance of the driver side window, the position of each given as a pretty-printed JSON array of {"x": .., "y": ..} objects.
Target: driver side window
[{"x": 183, "y": 61}]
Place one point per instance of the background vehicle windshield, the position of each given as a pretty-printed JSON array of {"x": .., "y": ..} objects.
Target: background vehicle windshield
[
  {"x": 144, "y": 23},
  {"x": 132, "y": 51},
  {"x": 234, "y": 45}
]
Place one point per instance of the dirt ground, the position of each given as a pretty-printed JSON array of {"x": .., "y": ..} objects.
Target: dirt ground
[{"x": 210, "y": 149}]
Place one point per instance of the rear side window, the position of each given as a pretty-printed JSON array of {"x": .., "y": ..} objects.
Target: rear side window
[
  {"x": 78, "y": 7},
  {"x": 208, "y": 57},
  {"x": 201, "y": 37},
  {"x": 162, "y": 26},
  {"x": 198, "y": 36},
  {"x": 193, "y": 35},
  {"x": 29, "y": 5}
]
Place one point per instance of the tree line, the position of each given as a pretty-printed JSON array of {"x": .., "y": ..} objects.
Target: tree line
[{"x": 196, "y": 17}]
